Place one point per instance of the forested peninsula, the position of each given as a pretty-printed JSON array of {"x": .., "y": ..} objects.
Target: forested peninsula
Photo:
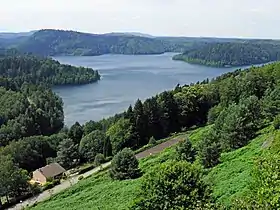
[
  {"x": 20, "y": 69},
  {"x": 232, "y": 54}
]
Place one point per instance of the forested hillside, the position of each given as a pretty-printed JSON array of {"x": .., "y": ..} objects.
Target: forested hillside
[
  {"x": 58, "y": 42},
  {"x": 31, "y": 115},
  {"x": 233, "y": 54},
  {"x": 235, "y": 105},
  {"x": 232, "y": 163}
]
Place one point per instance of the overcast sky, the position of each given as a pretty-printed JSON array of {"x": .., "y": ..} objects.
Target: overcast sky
[{"x": 219, "y": 18}]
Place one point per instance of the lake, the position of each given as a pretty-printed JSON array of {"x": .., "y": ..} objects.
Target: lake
[{"x": 124, "y": 79}]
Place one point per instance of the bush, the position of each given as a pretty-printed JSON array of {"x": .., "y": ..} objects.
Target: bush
[
  {"x": 210, "y": 150},
  {"x": 51, "y": 184},
  {"x": 125, "y": 165},
  {"x": 173, "y": 185},
  {"x": 214, "y": 113},
  {"x": 35, "y": 189},
  {"x": 47, "y": 186},
  {"x": 99, "y": 159},
  {"x": 185, "y": 151},
  {"x": 80, "y": 178}
]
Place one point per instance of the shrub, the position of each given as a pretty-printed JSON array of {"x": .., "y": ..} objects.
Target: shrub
[
  {"x": 125, "y": 165},
  {"x": 80, "y": 178},
  {"x": 99, "y": 159},
  {"x": 185, "y": 151},
  {"x": 173, "y": 185},
  {"x": 214, "y": 113},
  {"x": 210, "y": 150}
]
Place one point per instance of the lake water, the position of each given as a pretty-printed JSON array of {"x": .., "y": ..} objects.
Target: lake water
[{"x": 124, "y": 79}]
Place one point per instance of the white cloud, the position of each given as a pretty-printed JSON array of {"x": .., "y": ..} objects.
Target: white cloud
[{"x": 240, "y": 18}]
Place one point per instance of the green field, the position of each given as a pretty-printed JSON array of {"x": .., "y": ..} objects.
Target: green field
[{"x": 230, "y": 179}]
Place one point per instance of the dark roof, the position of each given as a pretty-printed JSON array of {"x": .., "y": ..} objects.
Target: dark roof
[{"x": 52, "y": 170}]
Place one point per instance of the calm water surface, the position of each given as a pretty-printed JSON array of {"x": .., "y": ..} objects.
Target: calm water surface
[{"x": 125, "y": 78}]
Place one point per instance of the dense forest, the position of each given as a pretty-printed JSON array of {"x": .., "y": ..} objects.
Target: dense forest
[
  {"x": 58, "y": 42},
  {"x": 209, "y": 51},
  {"x": 30, "y": 69},
  {"x": 233, "y": 53},
  {"x": 237, "y": 105}
]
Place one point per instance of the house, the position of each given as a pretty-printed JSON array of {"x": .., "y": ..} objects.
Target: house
[{"x": 52, "y": 171}]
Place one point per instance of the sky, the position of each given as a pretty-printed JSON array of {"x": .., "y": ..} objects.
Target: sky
[{"x": 207, "y": 18}]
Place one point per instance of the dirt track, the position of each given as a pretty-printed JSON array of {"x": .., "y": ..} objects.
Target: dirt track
[{"x": 158, "y": 148}]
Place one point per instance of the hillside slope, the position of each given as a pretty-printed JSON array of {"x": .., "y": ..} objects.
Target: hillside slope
[
  {"x": 230, "y": 179},
  {"x": 58, "y": 42},
  {"x": 235, "y": 158}
]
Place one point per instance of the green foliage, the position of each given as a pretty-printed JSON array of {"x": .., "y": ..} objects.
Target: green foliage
[
  {"x": 13, "y": 180},
  {"x": 231, "y": 178},
  {"x": 29, "y": 153},
  {"x": 58, "y": 42},
  {"x": 266, "y": 187},
  {"x": 271, "y": 102},
  {"x": 185, "y": 151},
  {"x": 99, "y": 191},
  {"x": 91, "y": 126},
  {"x": 107, "y": 150},
  {"x": 240, "y": 99},
  {"x": 209, "y": 149},
  {"x": 121, "y": 135},
  {"x": 232, "y": 54},
  {"x": 36, "y": 70},
  {"x": 239, "y": 123},
  {"x": 33, "y": 110},
  {"x": 173, "y": 185},
  {"x": 67, "y": 154},
  {"x": 76, "y": 133},
  {"x": 99, "y": 159},
  {"x": 125, "y": 165},
  {"x": 91, "y": 145},
  {"x": 214, "y": 113},
  {"x": 276, "y": 122}
]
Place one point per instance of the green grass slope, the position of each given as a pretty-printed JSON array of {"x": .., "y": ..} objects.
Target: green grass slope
[{"x": 229, "y": 179}]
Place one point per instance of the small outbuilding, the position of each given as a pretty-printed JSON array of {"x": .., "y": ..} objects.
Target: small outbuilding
[{"x": 52, "y": 171}]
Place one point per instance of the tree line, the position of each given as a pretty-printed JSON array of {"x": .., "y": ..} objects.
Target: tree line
[{"x": 232, "y": 54}]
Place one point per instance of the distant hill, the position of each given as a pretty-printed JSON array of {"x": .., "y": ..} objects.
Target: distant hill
[
  {"x": 10, "y": 35},
  {"x": 59, "y": 42},
  {"x": 49, "y": 42},
  {"x": 130, "y": 34},
  {"x": 230, "y": 54}
]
